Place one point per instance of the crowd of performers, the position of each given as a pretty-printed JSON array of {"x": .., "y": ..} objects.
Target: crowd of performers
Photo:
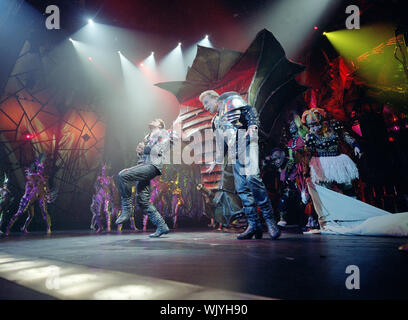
[
  {"x": 313, "y": 151},
  {"x": 36, "y": 191}
]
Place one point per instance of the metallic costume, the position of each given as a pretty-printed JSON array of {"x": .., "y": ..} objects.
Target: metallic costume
[
  {"x": 234, "y": 114},
  {"x": 36, "y": 189},
  {"x": 149, "y": 166},
  {"x": 177, "y": 201},
  {"x": 4, "y": 200},
  {"x": 103, "y": 200}
]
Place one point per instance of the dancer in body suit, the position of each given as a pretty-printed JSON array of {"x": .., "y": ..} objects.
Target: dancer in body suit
[
  {"x": 36, "y": 189},
  {"x": 177, "y": 201},
  {"x": 151, "y": 152},
  {"x": 103, "y": 200},
  {"x": 4, "y": 200},
  {"x": 234, "y": 117}
]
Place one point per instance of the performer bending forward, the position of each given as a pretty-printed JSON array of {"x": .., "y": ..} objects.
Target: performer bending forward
[
  {"x": 151, "y": 152},
  {"x": 233, "y": 114}
]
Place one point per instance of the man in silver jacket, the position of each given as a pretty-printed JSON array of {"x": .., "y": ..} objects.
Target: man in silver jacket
[
  {"x": 236, "y": 125},
  {"x": 151, "y": 152}
]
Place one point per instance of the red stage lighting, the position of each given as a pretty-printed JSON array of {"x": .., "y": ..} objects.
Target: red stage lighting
[
  {"x": 315, "y": 27},
  {"x": 28, "y": 136}
]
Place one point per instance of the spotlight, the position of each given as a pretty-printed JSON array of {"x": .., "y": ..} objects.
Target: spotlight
[
  {"x": 142, "y": 64},
  {"x": 152, "y": 53},
  {"x": 206, "y": 37},
  {"x": 324, "y": 33},
  {"x": 70, "y": 39},
  {"x": 90, "y": 21},
  {"x": 119, "y": 51},
  {"x": 179, "y": 44},
  {"x": 28, "y": 136},
  {"x": 90, "y": 58},
  {"x": 315, "y": 27}
]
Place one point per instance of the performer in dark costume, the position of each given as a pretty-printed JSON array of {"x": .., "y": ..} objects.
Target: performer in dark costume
[
  {"x": 209, "y": 205},
  {"x": 234, "y": 114},
  {"x": 4, "y": 200},
  {"x": 104, "y": 200},
  {"x": 151, "y": 152},
  {"x": 36, "y": 189}
]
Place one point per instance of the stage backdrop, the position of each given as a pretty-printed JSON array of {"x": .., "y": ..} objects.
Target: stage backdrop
[{"x": 39, "y": 116}]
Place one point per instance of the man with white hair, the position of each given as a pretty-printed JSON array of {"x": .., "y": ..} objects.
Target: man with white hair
[{"x": 234, "y": 117}]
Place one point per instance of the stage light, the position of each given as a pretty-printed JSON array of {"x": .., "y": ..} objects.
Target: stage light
[
  {"x": 141, "y": 64},
  {"x": 315, "y": 28},
  {"x": 179, "y": 44},
  {"x": 152, "y": 54},
  {"x": 206, "y": 37},
  {"x": 90, "y": 58},
  {"x": 70, "y": 39},
  {"x": 324, "y": 33},
  {"x": 119, "y": 51},
  {"x": 28, "y": 136},
  {"x": 90, "y": 21}
]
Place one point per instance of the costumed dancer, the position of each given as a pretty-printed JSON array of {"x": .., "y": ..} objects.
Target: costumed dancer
[
  {"x": 234, "y": 114},
  {"x": 209, "y": 205},
  {"x": 177, "y": 201},
  {"x": 329, "y": 167},
  {"x": 36, "y": 189},
  {"x": 151, "y": 152},
  {"x": 102, "y": 200},
  {"x": 4, "y": 200},
  {"x": 291, "y": 169}
]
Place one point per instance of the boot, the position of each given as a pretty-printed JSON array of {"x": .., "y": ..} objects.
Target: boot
[
  {"x": 254, "y": 226},
  {"x": 253, "y": 229},
  {"x": 126, "y": 210},
  {"x": 273, "y": 229},
  {"x": 282, "y": 222},
  {"x": 159, "y": 222}
]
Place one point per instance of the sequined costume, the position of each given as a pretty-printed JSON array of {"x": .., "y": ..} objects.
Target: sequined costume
[
  {"x": 292, "y": 183},
  {"x": 327, "y": 164},
  {"x": 4, "y": 200},
  {"x": 102, "y": 200},
  {"x": 36, "y": 189},
  {"x": 177, "y": 201}
]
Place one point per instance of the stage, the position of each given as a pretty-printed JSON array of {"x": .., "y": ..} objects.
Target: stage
[{"x": 198, "y": 264}]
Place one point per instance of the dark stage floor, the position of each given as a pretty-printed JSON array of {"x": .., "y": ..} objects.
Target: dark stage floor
[{"x": 199, "y": 265}]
